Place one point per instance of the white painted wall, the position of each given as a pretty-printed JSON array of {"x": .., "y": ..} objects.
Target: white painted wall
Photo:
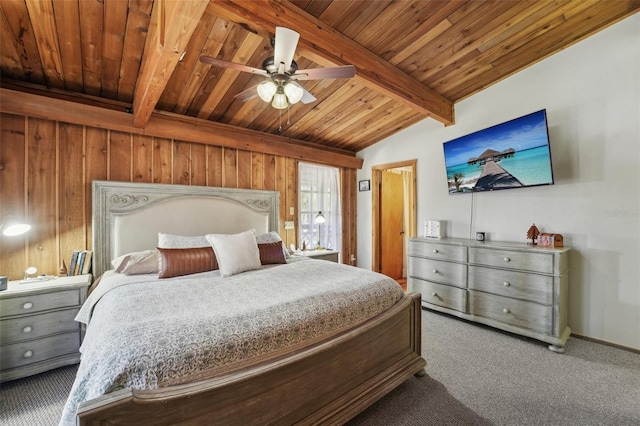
[{"x": 591, "y": 92}]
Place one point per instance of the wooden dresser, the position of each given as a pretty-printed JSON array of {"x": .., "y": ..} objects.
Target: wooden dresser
[
  {"x": 511, "y": 286},
  {"x": 37, "y": 327}
]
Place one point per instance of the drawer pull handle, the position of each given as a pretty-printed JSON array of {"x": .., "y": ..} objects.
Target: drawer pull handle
[
  {"x": 434, "y": 294},
  {"x": 28, "y": 354},
  {"x": 506, "y": 311},
  {"x": 27, "y": 305},
  {"x": 435, "y": 250},
  {"x": 435, "y": 271},
  {"x": 506, "y": 259},
  {"x": 506, "y": 284},
  {"x": 27, "y": 329}
]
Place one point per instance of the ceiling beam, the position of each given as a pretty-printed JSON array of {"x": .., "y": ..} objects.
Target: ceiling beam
[
  {"x": 321, "y": 39},
  {"x": 170, "y": 126},
  {"x": 172, "y": 25}
]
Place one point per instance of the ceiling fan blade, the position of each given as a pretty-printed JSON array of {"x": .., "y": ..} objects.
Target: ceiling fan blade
[
  {"x": 250, "y": 93},
  {"x": 232, "y": 65},
  {"x": 307, "y": 97},
  {"x": 285, "y": 47},
  {"x": 346, "y": 71}
]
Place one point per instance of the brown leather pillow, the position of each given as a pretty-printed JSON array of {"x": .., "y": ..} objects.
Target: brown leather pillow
[
  {"x": 271, "y": 253},
  {"x": 177, "y": 262}
]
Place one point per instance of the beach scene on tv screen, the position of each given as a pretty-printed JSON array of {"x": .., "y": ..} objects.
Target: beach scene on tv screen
[{"x": 514, "y": 154}]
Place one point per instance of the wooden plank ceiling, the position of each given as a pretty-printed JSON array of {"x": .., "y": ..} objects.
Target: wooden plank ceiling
[{"x": 413, "y": 59}]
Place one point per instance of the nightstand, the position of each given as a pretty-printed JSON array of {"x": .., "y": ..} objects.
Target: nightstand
[
  {"x": 37, "y": 327},
  {"x": 330, "y": 255}
]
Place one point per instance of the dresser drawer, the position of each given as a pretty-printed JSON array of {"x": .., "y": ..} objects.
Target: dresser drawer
[
  {"x": 435, "y": 250},
  {"x": 438, "y": 271},
  {"x": 34, "y": 326},
  {"x": 519, "y": 285},
  {"x": 32, "y": 351},
  {"x": 39, "y": 302},
  {"x": 438, "y": 294},
  {"x": 515, "y": 312},
  {"x": 526, "y": 261}
]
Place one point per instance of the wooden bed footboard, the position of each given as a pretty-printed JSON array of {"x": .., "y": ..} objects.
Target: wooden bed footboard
[{"x": 327, "y": 383}]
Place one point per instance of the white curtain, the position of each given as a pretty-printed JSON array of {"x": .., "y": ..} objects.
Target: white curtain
[{"x": 319, "y": 191}]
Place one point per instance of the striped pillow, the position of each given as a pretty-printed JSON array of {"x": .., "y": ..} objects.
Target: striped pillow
[
  {"x": 271, "y": 253},
  {"x": 178, "y": 262}
]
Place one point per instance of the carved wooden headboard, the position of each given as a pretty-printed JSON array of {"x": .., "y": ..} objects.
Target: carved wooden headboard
[{"x": 127, "y": 217}]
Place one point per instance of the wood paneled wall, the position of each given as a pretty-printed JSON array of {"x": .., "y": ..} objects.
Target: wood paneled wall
[{"x": 46, "y": 170}]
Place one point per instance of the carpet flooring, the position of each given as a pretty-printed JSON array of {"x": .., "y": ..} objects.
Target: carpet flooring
[{"x": 475, "y": 376}]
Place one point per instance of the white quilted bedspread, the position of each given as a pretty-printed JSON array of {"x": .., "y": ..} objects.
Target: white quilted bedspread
[{"x": 146, "y": 333}]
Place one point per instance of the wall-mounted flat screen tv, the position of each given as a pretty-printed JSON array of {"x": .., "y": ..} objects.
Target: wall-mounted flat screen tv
[{"x": 514, "y": 154}]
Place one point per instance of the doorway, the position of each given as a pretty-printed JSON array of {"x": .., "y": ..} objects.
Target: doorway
[{"x": 394, "y": 217}]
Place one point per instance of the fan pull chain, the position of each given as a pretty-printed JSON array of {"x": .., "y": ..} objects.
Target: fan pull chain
[
  {"x": 288, "y": 116},
  {"x": 280, "y": 120}
]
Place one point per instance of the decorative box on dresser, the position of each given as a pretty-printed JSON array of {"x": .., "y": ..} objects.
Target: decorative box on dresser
[
  {"x": 515, "y": 287},
  {"x": 37, "y": 327}
]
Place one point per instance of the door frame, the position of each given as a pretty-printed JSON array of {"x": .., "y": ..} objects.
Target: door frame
[{"x": 376, "y": 182}]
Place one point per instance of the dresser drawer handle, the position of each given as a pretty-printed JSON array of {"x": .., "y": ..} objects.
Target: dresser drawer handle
[
  {"x": 434, "y": 294},
  {"x": 435, "y": 250},
  {"x": 506, "y": 259},
  {"x": 506, "y": 284},
  {"x": 28, "y": 354},
  {"x": 27, "y": 305},
  {"x": 27, "y": 329},
  {"x": 506, "y": 311},
  {"x": 435, "y": 271}
]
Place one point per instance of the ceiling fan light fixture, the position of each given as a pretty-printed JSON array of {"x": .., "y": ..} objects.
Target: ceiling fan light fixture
[
  {"x": 266, "y": 90},
  {"x": 294, "y": 92},
  {"x": 279, "y": 101},
  {"x": 281, "y": 89}
]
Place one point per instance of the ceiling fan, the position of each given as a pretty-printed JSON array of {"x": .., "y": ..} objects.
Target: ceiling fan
[{"x": 281, "y": 88}]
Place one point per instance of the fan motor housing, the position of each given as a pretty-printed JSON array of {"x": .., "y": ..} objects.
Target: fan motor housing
[{"x": 271, "y": 67}]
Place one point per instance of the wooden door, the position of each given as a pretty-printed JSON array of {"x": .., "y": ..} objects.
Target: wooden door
[{"x": 391, "y": 224}]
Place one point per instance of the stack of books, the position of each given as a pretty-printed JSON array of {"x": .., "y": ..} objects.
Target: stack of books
[{"x": 80, "y": 263}]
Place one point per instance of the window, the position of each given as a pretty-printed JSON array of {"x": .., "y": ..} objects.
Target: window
[{"x": 319, "y": 191}]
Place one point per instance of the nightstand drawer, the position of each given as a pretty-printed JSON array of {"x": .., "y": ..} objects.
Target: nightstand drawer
[
  {"x": 439, "y": 294},
  {"x": 332, "y": 257},
  {"x": 33, "y": 326},
  {"x": 435, "y": 250},
  {"x": 32, "y": 351},
  {"x": 39, "y": 302},
  {"x": 519, "y": 285},
  {"x": 527, "y": 261},
  {"x": 438, "y": 271},
  {"x": 515, "y": 312}
]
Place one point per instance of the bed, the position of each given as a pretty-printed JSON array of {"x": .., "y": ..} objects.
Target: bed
[{"x": 305, "y": 341}]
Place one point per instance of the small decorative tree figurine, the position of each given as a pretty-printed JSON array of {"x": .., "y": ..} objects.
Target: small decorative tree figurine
[{"x": 532, "y": 234}]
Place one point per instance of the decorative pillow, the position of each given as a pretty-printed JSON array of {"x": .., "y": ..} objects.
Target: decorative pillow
[
  {"x": 177, "y": 262},
  {"x": 272, "y": 237},
  {"x": 271, "y": 253},
  {"x": 139, "y": 262},
  {"x": 236, "y": 253},
  {"x": 181, "y": 241}
]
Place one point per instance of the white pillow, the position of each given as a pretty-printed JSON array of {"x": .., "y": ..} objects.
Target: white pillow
[
  {"x": 180, "y": 241},
  {"x": 236, "y": 253},
  {"x": 139, "y": 262},
  {"x": 272, "y": 237}
]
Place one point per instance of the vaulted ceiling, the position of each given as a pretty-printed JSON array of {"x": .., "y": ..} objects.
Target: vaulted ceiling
[{"x": 413, "y": 59}]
